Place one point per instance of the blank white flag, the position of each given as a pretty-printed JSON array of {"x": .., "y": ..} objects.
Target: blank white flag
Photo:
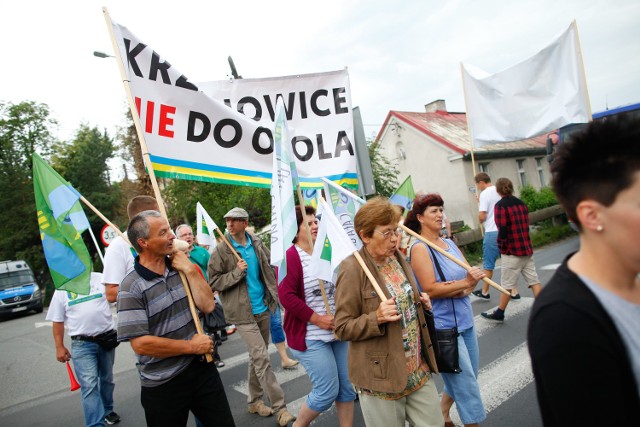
[{"x": 537, "y": 95}]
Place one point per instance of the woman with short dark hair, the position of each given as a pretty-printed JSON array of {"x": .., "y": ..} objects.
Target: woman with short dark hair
[
  {"x": 584, "y": 329},
  {"x": 451, "y": 305}
]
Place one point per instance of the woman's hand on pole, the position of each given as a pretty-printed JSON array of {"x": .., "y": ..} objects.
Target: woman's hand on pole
[{"x": 387, "y": 311}]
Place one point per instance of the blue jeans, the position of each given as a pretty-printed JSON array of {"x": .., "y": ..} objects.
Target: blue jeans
[
  {"x": 463, "y": 387},
  {"x": 277, "y": 334},
  {"x": 326, "y": 365},
  {"x": 94, "y": 370}
]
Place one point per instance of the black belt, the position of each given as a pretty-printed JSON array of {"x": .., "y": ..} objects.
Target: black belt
[{"x": 93, "y": 338}]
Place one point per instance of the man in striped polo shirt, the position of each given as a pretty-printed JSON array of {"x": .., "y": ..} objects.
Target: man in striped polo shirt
[{"x": 154, "y": 316}]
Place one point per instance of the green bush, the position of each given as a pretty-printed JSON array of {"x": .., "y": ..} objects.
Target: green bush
[{"x": 536, "y": 200}]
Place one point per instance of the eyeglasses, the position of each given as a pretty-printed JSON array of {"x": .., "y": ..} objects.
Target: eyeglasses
[{"x": 387, "y": 234}]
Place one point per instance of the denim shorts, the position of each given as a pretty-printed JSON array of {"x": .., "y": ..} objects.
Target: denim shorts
[
  {"x": 463, "y": 387},
  {"x": 326, "y": 365},
  {"x": 490, "y": 251}
]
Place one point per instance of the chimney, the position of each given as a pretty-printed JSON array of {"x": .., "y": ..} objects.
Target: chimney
[{"x": 437, "y": 105}]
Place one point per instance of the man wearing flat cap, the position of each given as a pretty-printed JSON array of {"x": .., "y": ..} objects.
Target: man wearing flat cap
[{"x": 248, "y": 292}]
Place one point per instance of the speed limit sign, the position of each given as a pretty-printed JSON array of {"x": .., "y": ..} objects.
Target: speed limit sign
[{"x": 108, "y": 234}]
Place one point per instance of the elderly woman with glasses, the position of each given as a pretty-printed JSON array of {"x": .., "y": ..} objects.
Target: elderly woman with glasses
[{"x": 390, "y": 353}]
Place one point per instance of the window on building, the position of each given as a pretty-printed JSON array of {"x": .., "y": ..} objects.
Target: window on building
[
  {"x": 540, "y": 171},
  {"x": 484, "y": 167},
  {"x": 521, "y": 172}
]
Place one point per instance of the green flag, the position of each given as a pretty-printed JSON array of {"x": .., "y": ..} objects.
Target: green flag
[
  {"x": 61, "y": 220},
  {"x": 404, "y": 195}
]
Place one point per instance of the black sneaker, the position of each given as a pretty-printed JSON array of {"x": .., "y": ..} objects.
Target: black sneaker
[
  {"x": 493, "y": 316},
  {"x": 112, "y": 418},
  {"x": 479, "y": 294},
  {"x": 516, "y": 296}
]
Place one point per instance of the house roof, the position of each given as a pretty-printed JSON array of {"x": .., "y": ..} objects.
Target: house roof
[{"x": 450, "y": 130}]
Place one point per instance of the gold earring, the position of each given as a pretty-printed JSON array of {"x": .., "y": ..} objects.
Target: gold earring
[{"x": 599, "y": 227}]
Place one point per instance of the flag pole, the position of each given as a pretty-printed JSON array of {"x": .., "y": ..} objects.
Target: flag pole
[
  {"x": 104, "y": 218},
  {"x": 343, "y": 191},
  {"x": 453, "y": 258},
  {"x": 584, "y": 74},
  {"x": 473, "y": 157},
  {"x": 358, "y": 257},
  {"x": 303, "y": 211},
  {"x": 147, "y": 160},
  {"x": 95, "y": 242},
  {"x": 233, "y": 251}
]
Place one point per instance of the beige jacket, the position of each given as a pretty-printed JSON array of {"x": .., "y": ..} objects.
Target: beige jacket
[
  {"x": 376, "y": 356},
  {"x": 231, "y": 283}
]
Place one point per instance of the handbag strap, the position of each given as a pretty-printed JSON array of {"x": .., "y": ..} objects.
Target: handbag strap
[{"x": 437, "y": 264}]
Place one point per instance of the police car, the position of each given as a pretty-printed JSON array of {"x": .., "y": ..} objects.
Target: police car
[{"x": 18, "y": 289}]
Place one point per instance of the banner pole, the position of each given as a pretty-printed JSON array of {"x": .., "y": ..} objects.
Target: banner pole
[
  {"x": 469, "y": 130},
  {"x": 584, "y": 74},
  {"x": 454, "y": 259},
  {"x": 95, "y": 242},
  {"x": 147, "y": 160}
]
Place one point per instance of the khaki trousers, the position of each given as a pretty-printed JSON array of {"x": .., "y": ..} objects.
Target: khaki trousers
[
  {"x": 420, "y": 408},
  {"x": 260, "y": 375}
]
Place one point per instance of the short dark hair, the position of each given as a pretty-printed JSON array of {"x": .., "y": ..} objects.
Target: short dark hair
[
  {"x": 504, "y": 187},
  {"x": 139, "y": 204},
  {"x": 482, "y": 177},
  {"x": 420, "y": 203},
  {"x": 139, "y": 227},
  {"x": 308, "y": 210},
  {"x": 596, "y": 163}
]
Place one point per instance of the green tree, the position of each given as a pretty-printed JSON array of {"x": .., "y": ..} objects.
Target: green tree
[
  {"x": 385, "y": 173},
  {"x": 24, "y": 128},
  {"x": 181, "y": 197}
]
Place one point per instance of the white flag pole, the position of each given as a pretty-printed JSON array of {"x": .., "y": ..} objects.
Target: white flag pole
[
  {"x": 473, "y": 158},
  {"x": 147, "y": 160},
  {"x": 95, "y": 242},
  {"x": 584, "y": 74}
]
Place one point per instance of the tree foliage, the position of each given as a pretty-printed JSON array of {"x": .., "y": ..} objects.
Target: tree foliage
[
  {"x": 181, "y": 197},
  {"x": 25, "y": 128},
  {"x": 385, "y": 173}
]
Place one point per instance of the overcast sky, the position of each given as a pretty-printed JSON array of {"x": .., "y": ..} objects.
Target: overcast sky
[{"x": 400, "y": 55}]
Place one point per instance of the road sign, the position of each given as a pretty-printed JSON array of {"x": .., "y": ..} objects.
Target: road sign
[{"x": 107, "y": 234}]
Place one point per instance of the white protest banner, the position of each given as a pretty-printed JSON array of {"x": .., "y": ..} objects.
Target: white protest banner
[
  {"x": 319, "y": 115},
  {"x": 191, "y": 135}
]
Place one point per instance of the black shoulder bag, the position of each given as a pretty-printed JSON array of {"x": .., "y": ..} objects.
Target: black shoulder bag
[{"x": 446, "y": 343}]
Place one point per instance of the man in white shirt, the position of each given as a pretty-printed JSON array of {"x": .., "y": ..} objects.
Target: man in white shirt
[
  {"x": 93, "y": 340},
  {"x": 118, "y": 259},
  {"x": 490, "y": 252}
]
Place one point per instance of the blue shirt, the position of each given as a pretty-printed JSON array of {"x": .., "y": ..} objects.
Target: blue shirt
[
  {"x": 442, "y": 307},
  {"x": 254, "y": 282}
]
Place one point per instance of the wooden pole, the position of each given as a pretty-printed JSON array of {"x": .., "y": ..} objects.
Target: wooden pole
[
  {"x": 147, "y": 161},
  {"x": 102, "y": 217},
  {"x": 233, "y": 251},
  {"x": 584, "y": 74},
  {"x": 454, "y": 259},
  {"x": 469, "y": 130}
]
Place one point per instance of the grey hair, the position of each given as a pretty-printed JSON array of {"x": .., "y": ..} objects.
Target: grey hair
[
  {"x": 139, "y": 228},
  {"x": 181, "y": 226}
]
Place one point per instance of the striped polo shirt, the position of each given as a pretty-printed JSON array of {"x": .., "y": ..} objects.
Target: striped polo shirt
[{"x": 153, "y": 304}]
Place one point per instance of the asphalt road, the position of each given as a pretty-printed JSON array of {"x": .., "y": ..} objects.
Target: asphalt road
[{"x": 35, "y": 387}]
